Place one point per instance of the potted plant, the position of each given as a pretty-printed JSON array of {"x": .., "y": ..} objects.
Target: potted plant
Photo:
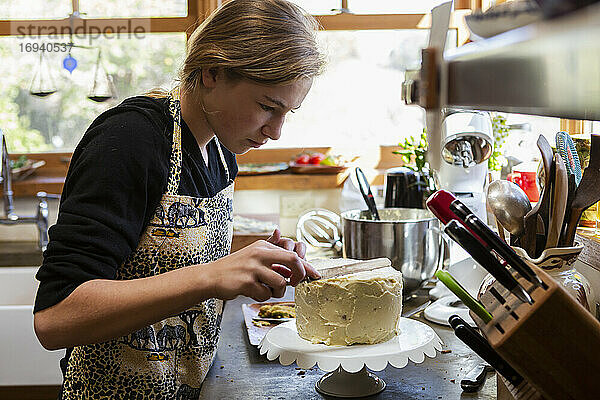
[{"x": 497, "y": 160}]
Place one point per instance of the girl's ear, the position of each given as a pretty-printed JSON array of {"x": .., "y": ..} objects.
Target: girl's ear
[{"x": 210, "y": 77}]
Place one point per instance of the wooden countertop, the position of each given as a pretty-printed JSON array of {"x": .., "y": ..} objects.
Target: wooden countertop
[
  {"x": 374, "y": 161},
  {"x": 290, "y": 181},
  {"x": 280, "y": 181}
]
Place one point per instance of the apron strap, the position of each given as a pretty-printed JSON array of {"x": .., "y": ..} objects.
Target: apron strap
[
  {"x": 222, "y": 157},
  {"x": 176, "y": 157},
  {"x": 175, "y": 162}
]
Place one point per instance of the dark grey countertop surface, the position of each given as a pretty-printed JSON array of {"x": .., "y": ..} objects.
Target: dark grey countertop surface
[{"x": 240, "y": 372}]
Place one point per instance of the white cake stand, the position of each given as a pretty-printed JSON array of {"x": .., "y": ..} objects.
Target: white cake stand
[{"x": 347, "y": 365}]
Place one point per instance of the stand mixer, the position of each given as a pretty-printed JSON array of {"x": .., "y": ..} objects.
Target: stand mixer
[{"x": 466, "y": 146}]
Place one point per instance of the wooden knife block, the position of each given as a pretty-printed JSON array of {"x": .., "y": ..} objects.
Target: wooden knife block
[
  {"x": 554, "y": 343},
  {"x": 524, "y": 391}
]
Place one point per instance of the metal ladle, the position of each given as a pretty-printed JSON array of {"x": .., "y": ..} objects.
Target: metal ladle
[{"x": 509, "y": 204}]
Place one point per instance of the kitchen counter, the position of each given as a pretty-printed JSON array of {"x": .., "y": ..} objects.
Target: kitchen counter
[{"x": 240, "y": 372}]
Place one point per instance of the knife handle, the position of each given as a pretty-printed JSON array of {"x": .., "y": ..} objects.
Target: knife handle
[
  {"x": 439, "y": 204},
  {"x": 483, "y": 349},
  {"x": 483, "y": 256},
  {"x": 462, "y": 294},
  {"x": 493, "y": 241},
  {"x": 475, "y": 378}
]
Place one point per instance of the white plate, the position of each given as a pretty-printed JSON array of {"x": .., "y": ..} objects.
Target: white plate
[{"x": 414, "y": 342}]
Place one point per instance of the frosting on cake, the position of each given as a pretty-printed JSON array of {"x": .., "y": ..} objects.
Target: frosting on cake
[{"x": 363, "y": 307}]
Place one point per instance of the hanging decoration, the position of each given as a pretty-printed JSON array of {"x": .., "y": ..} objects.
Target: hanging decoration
[
  {"x": 69, "y": 63},
  {"x": 102, "y": 86},
  {"x": 42, "y": 84},
  {"x": 102, "y": 89}
]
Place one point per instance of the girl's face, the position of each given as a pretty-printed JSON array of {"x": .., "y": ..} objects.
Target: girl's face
[{"x": 244, "y": 114}]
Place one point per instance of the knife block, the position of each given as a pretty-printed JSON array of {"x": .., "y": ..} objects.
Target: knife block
[
  {"x": 553, "y": 343},
  {"x": 507, "y": 391}
]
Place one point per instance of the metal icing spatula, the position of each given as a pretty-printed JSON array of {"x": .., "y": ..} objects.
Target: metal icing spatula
[{"x": 334, "y": 267}]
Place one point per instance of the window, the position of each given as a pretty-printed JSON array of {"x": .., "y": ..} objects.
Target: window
[
  {"x": 357, "y": 99},
  {"x": 392, "y": 6},
  {"x": 57, "y": 122},
  {"x": 320, "y": 7},
  {"x": 34, "y": 9},
  {"x": 323, "y": 7},
  {"x": 132, "y": 8},
  {"x": 522, "y": 143}
]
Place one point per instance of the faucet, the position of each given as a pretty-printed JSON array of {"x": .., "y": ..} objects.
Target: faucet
[{"x": 40, "y": 219}]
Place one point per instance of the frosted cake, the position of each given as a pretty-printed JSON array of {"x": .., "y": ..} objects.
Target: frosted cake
[{"x": 359, "y": 308}]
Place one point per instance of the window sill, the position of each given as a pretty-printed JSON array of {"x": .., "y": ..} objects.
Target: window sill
[
  {"x": 290, "y": 181},
  {"x": 282, "y": 181},
  {"x": 374, "y": 161}
]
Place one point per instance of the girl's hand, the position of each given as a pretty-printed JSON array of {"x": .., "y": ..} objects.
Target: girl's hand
[
  {"x": 260, "y": 270},
  {"x": 288, "y": 244}
]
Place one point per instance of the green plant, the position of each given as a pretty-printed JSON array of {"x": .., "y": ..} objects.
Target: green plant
[
  {"x": 414, "y": 152},
  {"x": 18, "y": 163},
  {"x": 500, "y": 130}
]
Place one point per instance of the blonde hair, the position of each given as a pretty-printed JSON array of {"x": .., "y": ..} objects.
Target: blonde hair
[{"x": 265, "y": 41}]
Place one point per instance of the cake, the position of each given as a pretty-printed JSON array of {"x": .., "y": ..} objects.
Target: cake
[{"x": 358, "y": 308}]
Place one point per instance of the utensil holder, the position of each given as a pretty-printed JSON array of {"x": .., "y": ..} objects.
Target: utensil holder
[
  {"x": 560, "y": 264},
  {"x": 553, "y": 343}
]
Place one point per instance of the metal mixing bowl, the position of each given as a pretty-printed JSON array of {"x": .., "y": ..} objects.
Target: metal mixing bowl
[{"x": 409, "y": 237}]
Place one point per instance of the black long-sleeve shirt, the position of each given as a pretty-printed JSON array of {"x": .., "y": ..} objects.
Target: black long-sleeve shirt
[{"x": 116, "y": 178}]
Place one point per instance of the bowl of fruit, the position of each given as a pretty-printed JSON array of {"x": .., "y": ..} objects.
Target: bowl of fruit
[{"x": 317, "y": 163}]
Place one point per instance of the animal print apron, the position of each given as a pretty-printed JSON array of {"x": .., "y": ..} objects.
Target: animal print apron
[{"x": 168, "y": 359}]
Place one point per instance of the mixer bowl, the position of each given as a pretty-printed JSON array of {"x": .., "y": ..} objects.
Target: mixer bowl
[{"x": 409, "y": 237}]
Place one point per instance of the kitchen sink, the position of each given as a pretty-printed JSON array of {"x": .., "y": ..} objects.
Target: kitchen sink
[{"x": 24, "y": 360}]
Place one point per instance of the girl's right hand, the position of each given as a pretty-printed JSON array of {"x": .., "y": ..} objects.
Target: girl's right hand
[{"x": 260, "y": 271}]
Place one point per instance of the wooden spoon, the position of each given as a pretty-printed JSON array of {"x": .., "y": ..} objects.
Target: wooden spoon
[
  {"x": 559, "y": 202},
  {"x": 587, "y": 194},
  {"x": 540, "y": 211}
]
